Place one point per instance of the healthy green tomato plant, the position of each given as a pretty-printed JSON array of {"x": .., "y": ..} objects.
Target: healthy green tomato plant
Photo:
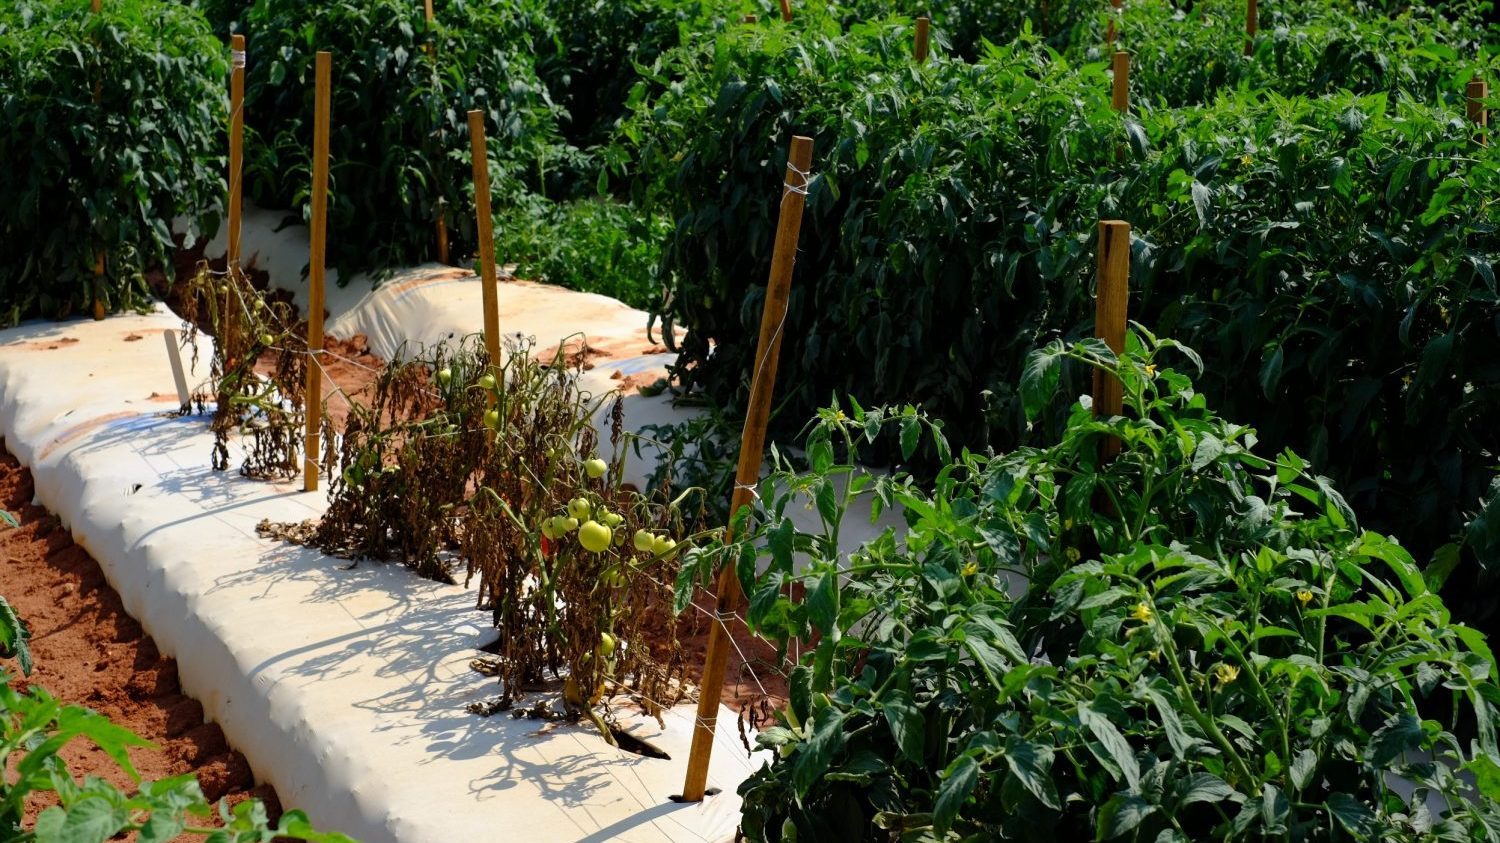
[
  {"x": 35, "y": 728},
  {"x": 592, "y": 245},
  {"x": 14, "y": 638},
  {"x": 1180, "y": 58},
  {"x": 1338, "y": 251},
  {"x": 400, "y": 145},
  {"x": 1188, "y": 641},
  {"x": 113, "y": 127}
]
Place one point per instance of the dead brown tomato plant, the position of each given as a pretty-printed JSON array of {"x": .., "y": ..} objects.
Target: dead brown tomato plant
[
  {"x": 266, "y": 407},
  {"x": 558, "y": 543},
  {"x": 454, "y": 463},
  {"x": 403, "y": 467}
]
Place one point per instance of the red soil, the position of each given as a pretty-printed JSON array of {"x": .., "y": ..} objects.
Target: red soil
[
  {"x": 90, "y": 652},
  {"x": 753, "y": 676}
]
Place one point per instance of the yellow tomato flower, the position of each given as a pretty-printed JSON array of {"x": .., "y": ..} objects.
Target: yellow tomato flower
[
  {"x": 971, "y": 569},
  {"x": 1304, "y": 597},
  {"x": 1150, "y": 370},
  {"x": 1226, "y": 673},
  {"x": 1142, "y": 613},
  {"x": 1154, "y": 655}
]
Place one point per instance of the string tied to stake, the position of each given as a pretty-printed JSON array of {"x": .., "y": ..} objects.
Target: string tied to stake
[{"x": 800, "y": 189}]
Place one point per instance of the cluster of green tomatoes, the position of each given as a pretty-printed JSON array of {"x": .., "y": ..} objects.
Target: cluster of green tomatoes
[{"x": 598, "y": 529}]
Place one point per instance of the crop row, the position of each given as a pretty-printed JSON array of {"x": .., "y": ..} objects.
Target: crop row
[{"x": 1331, "y": 251}]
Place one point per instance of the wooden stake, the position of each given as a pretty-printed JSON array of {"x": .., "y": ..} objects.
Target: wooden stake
[
  {"x": 236, "y": 145},
  {"x": 752, "y": 453},
  {"x": 1109, "y": 32},
  {"x": 1252, "y": 24},
  {"x": 442, "y": 207},
  {"x": 98, "y": 7},
  {"x": 179, "y": 375},
  {"x": 1477, "y": 92},
  {"x": 1110, "y": 301},
  {"x": 1119, "y": 97},
  {"x": 786, "y": 10},
  {"x": 919, "y": 50},
  {"x": 315, "y": 281},
  {"x": 751, "y": 18},
  {"x": 490, "y": 294}
]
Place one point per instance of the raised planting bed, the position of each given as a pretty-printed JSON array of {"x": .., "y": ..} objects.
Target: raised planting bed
[{"x": 345, "y": 686}]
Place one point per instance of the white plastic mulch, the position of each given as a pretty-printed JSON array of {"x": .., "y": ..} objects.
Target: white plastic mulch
[{"x": 345, "y": 688}]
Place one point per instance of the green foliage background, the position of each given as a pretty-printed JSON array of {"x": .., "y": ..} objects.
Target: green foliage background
[
  {"x": 399, "y": 145},
  {"x": 1332, "y": 253},
  {"x": 85, "y": 175}
]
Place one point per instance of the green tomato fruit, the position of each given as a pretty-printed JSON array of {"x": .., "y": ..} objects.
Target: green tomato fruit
[
  {"x": 594, "y": 537},
  {"x": 596, "y": 468},
  {"x": 487, "y": 381},
  {"x": 644, "y": 541},
  {"x": 492, "y": 419},
  {"x": 267, "y": 339},
  {"x": 613, "y": 519},
  {"x": 606, "y": 645},
  {"x": 444, "y": 376},
  {"x": 569, "y": 524},
  {"x": 549, "y": 528},
  {"x": 579, "y": 508},
  {"x": 661, "y": 545}
]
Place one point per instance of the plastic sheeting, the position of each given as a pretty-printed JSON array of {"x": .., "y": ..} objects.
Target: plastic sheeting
[{"x": 345, "y": 688}]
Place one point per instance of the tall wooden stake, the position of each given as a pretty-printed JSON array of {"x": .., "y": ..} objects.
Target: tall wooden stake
[
  {"x": 442, "y": 206},
  {"x": 236, "y": 145},
  {"x": 1119, "y": 95},
  {"x": 1252, "y": 24},
  {"x": 1109, "y": 32},
  {"x": 486, "y": 239},
  {"x": 786, "y": 10},
  {"x": 315, "y": 281},
  {"x": 919, "y": 49},
  {"x": 1477, "y": 92},
  {"x": 98, "y": 6},
  {"x": 1110, "y": 301},
  {"x": 752, "y": 452}
]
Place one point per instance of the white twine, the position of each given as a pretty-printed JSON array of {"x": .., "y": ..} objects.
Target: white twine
[{"x": 800, "y": 190}]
